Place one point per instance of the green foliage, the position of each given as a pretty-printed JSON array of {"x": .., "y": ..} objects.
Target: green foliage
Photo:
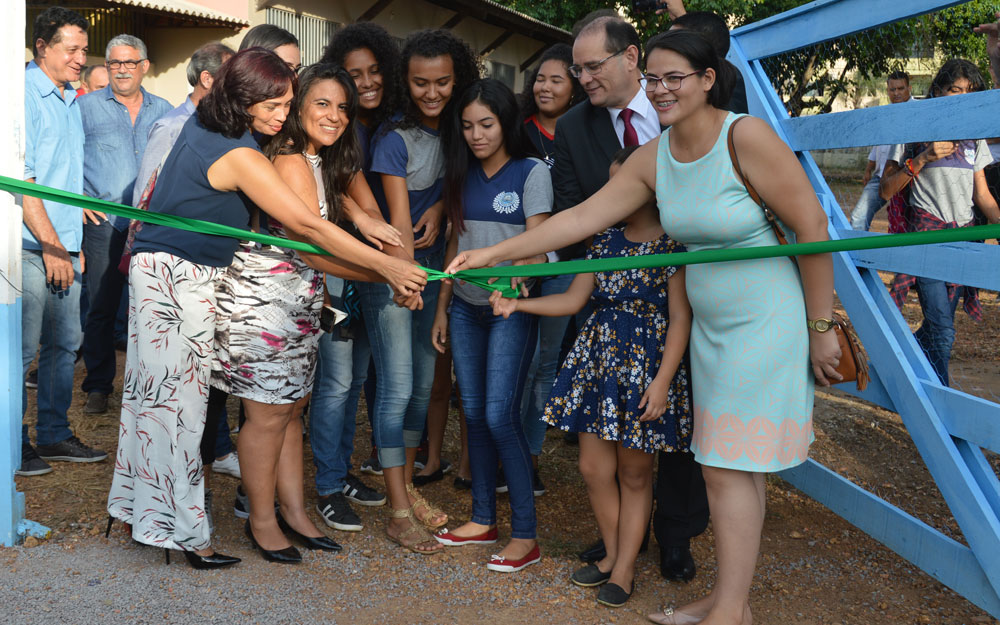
[{"x": 809, "y": 80}]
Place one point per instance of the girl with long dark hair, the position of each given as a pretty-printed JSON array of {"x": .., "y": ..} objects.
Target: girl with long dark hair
[
  {"x": 409, "y": 160},
  {"x": 493, "y": 191}
]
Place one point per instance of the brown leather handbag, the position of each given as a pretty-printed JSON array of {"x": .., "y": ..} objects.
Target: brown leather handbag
[{"x": 853, "y": 369}]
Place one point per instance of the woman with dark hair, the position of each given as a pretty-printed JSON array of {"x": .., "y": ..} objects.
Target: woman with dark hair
[
  {"x": 371, "y": 58},
  {"x": 409, "y": 159},
  {"x": 158, "y": 483},
  {"x": 947, "y": 182},
  {"x": 277, "y": 40},
  {"x": 269, "y": 301},
  {"x": 549, "y": 91},
  {"x": 757, "y": 325},
  {"x": 493, "y": 191}
]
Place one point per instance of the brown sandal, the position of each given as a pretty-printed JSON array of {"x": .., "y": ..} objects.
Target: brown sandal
[
  {"x": 431, "y": 512},
  {"x": 413, "y": 535}
]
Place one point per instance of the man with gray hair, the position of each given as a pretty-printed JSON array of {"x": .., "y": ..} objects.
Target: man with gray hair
[
  {"x": 116, "y": 123},
  {"x": 201, "y": 70}
]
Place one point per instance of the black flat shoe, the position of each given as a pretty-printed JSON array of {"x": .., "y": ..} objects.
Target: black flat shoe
[
  {"x": 676, "y": 563},
  {"x": 613, "y": 595},
  {"x": 322, "y": 543},
  {"x": 463, "y": 483},
  {"x": 594, "y": 552},
  {"x": 589, "y": 576},
  {"x": 423, "y": 480},
  {"x": 288, "y": 555},
  {"x": 214, "y": 561}
]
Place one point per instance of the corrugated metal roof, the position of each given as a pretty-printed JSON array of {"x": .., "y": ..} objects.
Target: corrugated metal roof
[{"x": 183, "y": 7}]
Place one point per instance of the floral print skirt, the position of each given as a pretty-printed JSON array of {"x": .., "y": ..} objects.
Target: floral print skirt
[{"x": 158, "y": 484}]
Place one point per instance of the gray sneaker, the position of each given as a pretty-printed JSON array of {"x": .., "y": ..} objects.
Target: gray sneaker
[
  {"x": 360, "y": 493},
  {"x": 97, "y": 403},
  {"x": 337, "y": 513},
  {"x": 71, "y": 450},
  {"x": 31, "y": 464},
  {"x": 241, "y": 507}
]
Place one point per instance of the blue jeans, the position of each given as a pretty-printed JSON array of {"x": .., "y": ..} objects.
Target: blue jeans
[
  {"x": 223, "y": 440},
  {"x": 404, "y": 364},
  {"x": 102, "y": 246},
  {"x": 491, "y": 356},
  {"x": 542, "y": 373},
  {"x": 937, "y": 333},
  {"x": 50, "y": 325},
  {"x": 868, "y": 204},
  {"x": 340, "y": 374}
]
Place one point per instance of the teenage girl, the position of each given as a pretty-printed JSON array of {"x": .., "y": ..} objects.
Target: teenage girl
[
  {"x": 623, "y": 387},
  {"x": 493, "y": 191},
  {"x": 408, "y": 156}
]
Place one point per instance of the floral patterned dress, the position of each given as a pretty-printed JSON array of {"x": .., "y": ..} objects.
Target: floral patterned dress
[
  {"x": 617, "y": 354},
  {"x": 267, "y": 329}
]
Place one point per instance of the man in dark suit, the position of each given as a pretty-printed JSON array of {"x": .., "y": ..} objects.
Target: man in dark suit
[{"x": 607, "y": 56}]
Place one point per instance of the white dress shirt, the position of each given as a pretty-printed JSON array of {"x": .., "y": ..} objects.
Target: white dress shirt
[{"x": 644, "y": 119}]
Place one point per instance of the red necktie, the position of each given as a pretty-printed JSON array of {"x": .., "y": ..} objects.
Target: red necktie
[{"x": 631, "y": 137}]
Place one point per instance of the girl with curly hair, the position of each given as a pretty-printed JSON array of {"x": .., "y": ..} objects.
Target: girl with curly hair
[{"x": 408, "y": 156}]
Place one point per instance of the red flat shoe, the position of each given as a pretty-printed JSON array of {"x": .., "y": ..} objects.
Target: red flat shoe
[
  {"x": 499, "y": 563},
  {"x": 486, "y": 538}
]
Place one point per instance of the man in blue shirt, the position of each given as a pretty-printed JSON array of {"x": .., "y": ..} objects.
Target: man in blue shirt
[
  {"x": 116, "y": 124},
  {"x": 51, "y": 236}
]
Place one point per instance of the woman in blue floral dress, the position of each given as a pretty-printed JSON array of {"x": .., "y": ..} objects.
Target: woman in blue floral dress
[{"x": 624, "y": 386}]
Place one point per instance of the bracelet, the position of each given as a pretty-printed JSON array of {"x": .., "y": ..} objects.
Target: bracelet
[{"x": 909, "y": 168}]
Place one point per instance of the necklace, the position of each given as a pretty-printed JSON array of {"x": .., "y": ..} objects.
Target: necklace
[{"x": 314, "y": 159}]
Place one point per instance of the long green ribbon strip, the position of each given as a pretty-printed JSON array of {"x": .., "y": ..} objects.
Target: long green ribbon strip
[
  {"x": 13, "y": 185},
  {"x": 480, "y": 277}
]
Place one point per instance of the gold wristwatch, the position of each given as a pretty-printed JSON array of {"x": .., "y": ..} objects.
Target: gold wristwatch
[{"x": 820, "y": 324}]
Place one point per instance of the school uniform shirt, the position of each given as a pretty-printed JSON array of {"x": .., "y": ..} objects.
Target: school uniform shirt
[
  {"x": 497, "y": 208},
  {"x": 944, "y": 187},
  {"x": 416, "y": 155}
]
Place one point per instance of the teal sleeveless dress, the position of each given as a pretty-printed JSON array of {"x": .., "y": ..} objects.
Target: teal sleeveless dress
[{"x": 750, "y": 371}]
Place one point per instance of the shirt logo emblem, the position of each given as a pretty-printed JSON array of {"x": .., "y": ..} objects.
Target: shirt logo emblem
[{"x": 506, "y": 202}]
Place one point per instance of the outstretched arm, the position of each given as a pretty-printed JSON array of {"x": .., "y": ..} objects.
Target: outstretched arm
[
  {"x": 569, "y": 302},
  {"x": 249, "y": 171}
]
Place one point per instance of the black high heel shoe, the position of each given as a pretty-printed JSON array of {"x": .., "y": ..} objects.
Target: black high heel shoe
[
  {"x": 214, "y": 561},
  {"x": 288, "y": 555},
  {"x": 323, "y": 543}
]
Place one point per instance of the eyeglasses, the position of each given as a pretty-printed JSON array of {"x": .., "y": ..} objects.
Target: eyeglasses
[
  {"x": 593, "y": 68},
  {"x": 114, "y": 65},
  {"x": 670, "y": 83}
]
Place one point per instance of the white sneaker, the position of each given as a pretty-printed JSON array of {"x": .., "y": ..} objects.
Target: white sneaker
[{"x": 230, "y": 465}]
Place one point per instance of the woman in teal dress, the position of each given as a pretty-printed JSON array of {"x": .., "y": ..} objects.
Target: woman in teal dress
[{"x": 751, "y": 346}]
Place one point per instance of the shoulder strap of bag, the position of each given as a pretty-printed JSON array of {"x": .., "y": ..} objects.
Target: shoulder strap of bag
[{"x": 768, "y": 214}]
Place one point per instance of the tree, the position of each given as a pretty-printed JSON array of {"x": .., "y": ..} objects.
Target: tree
[{"x": 810, "y": 79}]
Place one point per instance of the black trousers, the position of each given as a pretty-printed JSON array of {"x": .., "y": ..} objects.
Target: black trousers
[{"x": 681, "y": 511}]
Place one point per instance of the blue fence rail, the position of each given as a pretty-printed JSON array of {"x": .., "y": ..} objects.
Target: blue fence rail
[{"x": 948, "y": 427}]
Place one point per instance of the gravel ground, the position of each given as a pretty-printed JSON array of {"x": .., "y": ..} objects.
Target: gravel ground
[{"x": 814, "y": 567}]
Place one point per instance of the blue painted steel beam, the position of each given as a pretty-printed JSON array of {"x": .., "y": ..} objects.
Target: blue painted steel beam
[
  {"x": 943, "y": 558},
  {"x": 824, "y": 20},
  {"x": 902, "y": 369},
  {"x": 976, "y": 263},
  {"x": 967, "y": 417},
  {"x": 968, "y": 116}
]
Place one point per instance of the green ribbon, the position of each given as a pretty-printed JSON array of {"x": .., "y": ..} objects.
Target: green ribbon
[{"x": 480, "y": 277}]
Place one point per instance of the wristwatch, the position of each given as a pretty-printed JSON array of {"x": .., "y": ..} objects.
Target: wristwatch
[{"x": 820, "y": 324}]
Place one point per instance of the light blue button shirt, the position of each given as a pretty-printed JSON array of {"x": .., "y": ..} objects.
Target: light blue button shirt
[
  {"x": 114, "y": 146},
  {"x": 53, "y": 153},
  {"x": 162, "y": 137}
]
